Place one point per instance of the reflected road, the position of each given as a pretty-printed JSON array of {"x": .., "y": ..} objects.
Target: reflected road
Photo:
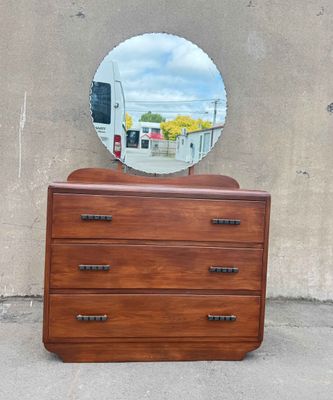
[{"x": 153, "y": 164}]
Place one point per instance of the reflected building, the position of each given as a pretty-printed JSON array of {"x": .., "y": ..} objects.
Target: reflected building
[
  {"x": 140, "y": 135},
  {"x": 191, "y": 147}
]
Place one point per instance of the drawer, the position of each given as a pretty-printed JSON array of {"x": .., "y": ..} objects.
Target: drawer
[
  {"x": 148, "y": 218},
  {"x": 143, "y": 266},
  {"x": 153, "y": 315}
]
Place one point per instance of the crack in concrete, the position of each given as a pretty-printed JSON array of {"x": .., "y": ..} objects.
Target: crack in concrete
[{"x": 20, "y": 132}]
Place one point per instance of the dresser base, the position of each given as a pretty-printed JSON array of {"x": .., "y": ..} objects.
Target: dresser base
[{"x": 151, "y": 351}]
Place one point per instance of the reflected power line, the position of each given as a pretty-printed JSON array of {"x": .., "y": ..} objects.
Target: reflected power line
[
  {"x": 172, "y": 101},
  {"x": 171, "y": 112}
]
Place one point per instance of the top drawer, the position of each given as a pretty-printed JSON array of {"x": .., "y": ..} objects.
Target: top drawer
[{"x": 149, "y": 218}]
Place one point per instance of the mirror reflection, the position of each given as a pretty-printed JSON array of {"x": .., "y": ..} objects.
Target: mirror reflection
[{"x": 158, "y": 103}]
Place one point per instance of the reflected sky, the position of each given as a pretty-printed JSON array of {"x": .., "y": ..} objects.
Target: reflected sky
[{"x": 169, "y": 75}]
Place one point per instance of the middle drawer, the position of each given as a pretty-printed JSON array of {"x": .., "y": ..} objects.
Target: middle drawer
[{"x": 114, "y": 266}]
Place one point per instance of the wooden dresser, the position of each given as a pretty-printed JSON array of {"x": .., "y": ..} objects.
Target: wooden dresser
[{"x": 143, "y": 269}]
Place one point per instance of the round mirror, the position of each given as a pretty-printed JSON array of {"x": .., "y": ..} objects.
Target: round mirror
[{"x": 158, "y": 103}]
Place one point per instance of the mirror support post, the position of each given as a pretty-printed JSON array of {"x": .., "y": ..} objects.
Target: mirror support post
[
  {"x": 191, "y": 170},
  {"x": 120, "y": 166}
]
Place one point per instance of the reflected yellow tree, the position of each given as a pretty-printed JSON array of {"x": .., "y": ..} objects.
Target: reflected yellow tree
[
  {"x": 129, "y": 121},
  {"x": 172, "y": 129}
]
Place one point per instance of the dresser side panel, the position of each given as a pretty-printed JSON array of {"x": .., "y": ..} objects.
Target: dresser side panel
[
  {"x": 47, "y": 264},
  {"x": 264, "y": 269}
]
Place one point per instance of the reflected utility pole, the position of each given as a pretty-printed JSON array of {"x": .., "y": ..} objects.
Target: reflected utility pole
[{"x": 215, "y": 102}]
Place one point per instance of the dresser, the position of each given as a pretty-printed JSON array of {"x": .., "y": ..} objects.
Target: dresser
[{"x": 148, "y": 269}]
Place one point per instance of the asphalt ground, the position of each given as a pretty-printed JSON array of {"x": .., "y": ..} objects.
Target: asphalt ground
[
  {"x": 153, "y": 164},
  {"x": 295, "y": 362}
]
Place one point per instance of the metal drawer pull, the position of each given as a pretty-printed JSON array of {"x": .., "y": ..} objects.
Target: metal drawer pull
[
  {"x": 223, "y": 221},
  {"x": 228, "y": 270},
  {"x": 221, "y": 317},
  {"x": 84, "y": 267},
  {"x": 95, "y": 217},
  {"x": 92, "y": 317}
]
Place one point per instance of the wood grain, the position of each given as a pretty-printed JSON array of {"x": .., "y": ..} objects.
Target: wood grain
[
  {"x": 264, "y": 269},
  {"x": 155, "y": 315},
  {"x": 159, "y": 190},
  {"x": 102, "y": 175},
  {"x": 157, "y": 219},
  {"x": 160, "y": 267},
  {"x": 160, "y": 244},
  {"x": 152, "y": 351},
  {"x": 47, "y": 265}
]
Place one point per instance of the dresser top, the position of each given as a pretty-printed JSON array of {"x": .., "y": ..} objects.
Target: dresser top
[{"x": 108, "y": 182}]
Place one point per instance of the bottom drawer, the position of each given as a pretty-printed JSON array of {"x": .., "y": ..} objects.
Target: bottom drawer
[{"x": 152, "y": 315}]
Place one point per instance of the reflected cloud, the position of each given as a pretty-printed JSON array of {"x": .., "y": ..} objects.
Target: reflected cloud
[{"x": 158, "y": 66}]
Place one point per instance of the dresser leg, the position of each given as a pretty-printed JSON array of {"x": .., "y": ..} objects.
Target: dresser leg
[{"x": 151, "y": 351}]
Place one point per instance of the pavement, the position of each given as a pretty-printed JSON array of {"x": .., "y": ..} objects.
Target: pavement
[
  {"x": 295, "y": 362},
  {"x": 153, "y": 164}
]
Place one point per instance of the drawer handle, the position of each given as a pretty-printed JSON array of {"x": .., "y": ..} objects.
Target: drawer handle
[
  {"x": 227, "y": 270},
  {"x": 84, "y": 267},
  {"x": 223, "y": 221},
  {"x": 92, "y": 317},
  {"x": 221, "y": 317},
  {"x": 95, "y": 217}
]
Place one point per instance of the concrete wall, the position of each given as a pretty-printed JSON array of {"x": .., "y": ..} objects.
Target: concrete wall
[{"x": 276, "y": 59}]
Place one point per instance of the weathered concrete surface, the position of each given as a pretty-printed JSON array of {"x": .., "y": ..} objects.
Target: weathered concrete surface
[
  {"x": 275, "y": 57},
  {"x": 294, "y": 362}
]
